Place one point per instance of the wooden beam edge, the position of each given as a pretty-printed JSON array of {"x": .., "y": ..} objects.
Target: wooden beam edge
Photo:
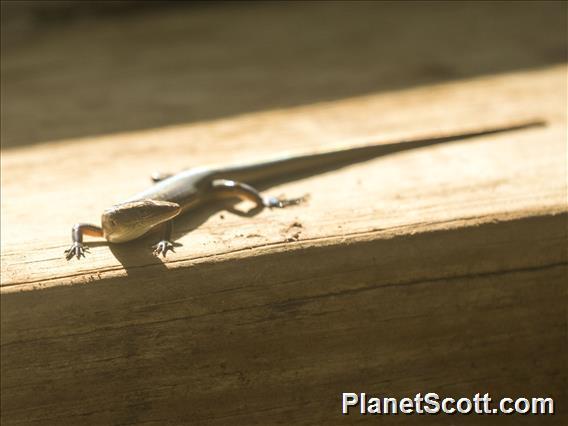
[{"x": 279, "y": 248}]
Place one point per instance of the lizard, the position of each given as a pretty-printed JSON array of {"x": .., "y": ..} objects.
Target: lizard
[{"x": 174, "y": 194}]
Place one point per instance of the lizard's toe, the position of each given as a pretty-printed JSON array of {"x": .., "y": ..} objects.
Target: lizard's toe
[
  {"x": 281, "y": 202},
  {"x": 76, "y": 250}
]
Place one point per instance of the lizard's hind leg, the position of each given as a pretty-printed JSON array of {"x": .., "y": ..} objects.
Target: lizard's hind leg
[{"x": 228, "y": 189}]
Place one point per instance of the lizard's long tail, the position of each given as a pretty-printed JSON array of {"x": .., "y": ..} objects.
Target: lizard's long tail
[{"x": 287, "y": 167}]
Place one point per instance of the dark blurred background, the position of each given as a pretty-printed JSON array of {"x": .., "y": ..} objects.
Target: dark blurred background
[{"x": 72, "y": 69}]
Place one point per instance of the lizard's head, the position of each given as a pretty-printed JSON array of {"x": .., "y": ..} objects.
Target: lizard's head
[{"x": 128, "y": 221}]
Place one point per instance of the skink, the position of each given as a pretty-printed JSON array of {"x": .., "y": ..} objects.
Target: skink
[{"x": 172, "y": 195}]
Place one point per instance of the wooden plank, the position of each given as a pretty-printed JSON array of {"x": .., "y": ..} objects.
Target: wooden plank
[
  {"x": 453, "y": 255},
  {"x": 513, "y": 174}
]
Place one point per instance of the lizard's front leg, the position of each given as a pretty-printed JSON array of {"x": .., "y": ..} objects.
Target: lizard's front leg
[
  {"x": 79, "y": 229},
  {"x": 165, "y": 243}
]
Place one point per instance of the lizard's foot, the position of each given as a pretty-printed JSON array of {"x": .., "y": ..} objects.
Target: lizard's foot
[
  {"x": 280, "y": 202},
  {"x": 163, "y": 247},
  {"x": 76, "y": 249}
]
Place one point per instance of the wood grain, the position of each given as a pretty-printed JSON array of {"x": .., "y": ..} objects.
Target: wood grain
[{"x": 440, "y": 269}]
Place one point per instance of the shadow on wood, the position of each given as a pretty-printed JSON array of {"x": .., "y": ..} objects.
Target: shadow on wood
[{"x": 277, "y": 338}]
